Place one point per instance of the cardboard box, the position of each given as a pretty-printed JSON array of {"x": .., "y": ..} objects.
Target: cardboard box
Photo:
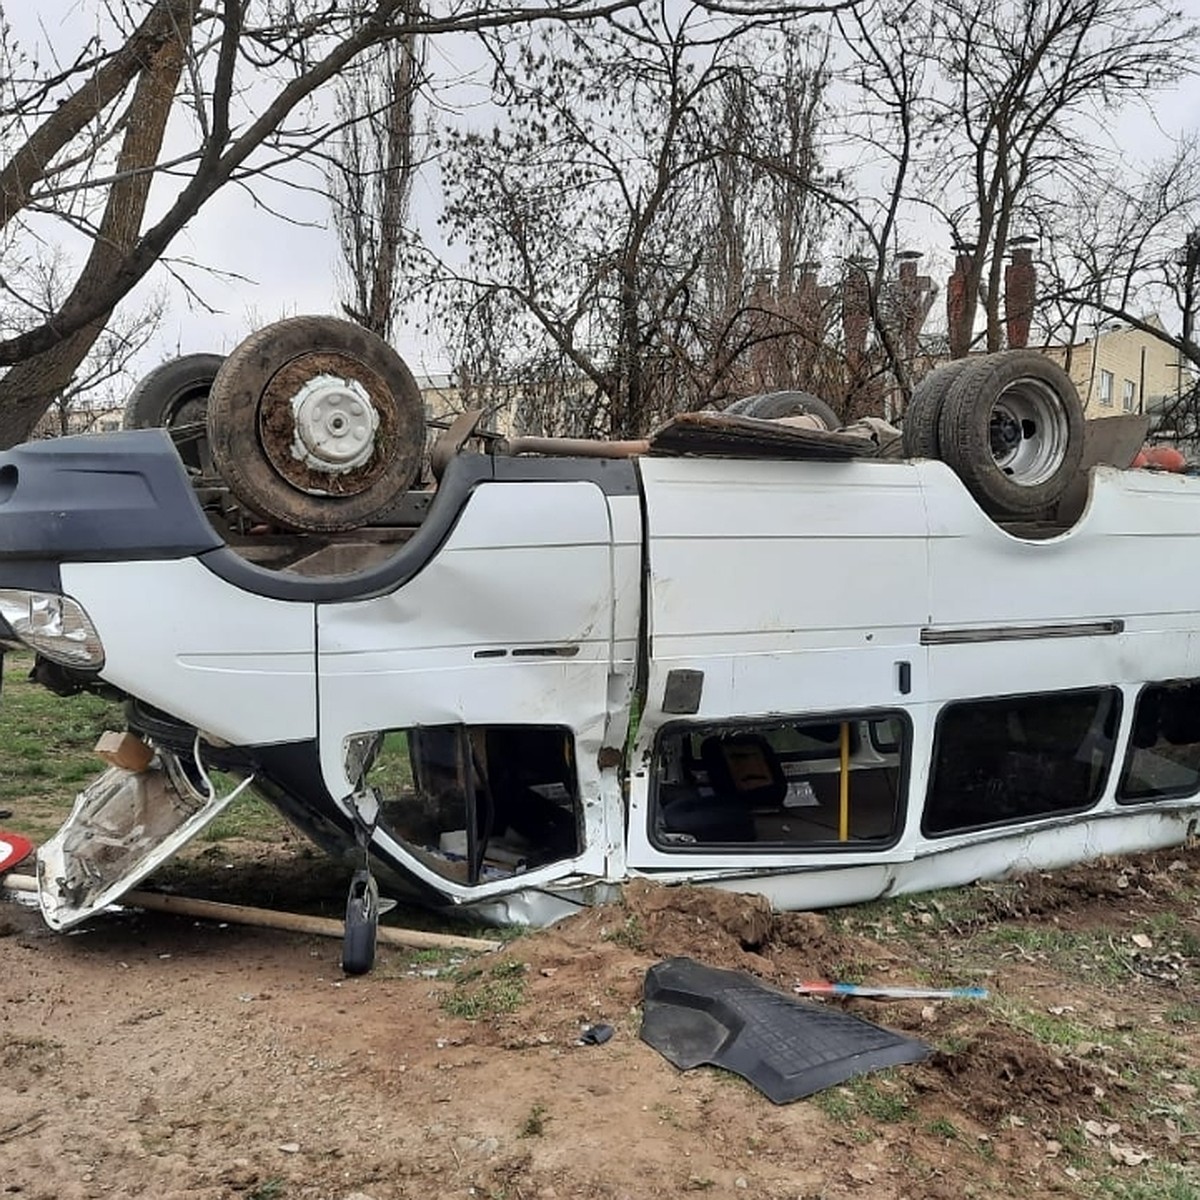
[{"x": 124, "y": 750}]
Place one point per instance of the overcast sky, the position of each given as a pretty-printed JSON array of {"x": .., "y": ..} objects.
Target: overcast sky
[{"x": 278, "y": 269}]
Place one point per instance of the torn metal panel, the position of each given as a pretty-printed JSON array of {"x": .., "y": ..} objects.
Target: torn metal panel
[{"x": 124, "y": 825}]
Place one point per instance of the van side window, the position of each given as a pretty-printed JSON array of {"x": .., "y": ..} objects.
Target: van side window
[
  {"x": 474, "y": 803},
  {"x": 1019, "y": 758},
  {"x": 1163, "y": 759},
  {"x": 781, "y": 785}
]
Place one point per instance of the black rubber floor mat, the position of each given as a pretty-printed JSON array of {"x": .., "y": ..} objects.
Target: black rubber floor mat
[{"x": 787, "y": 1048}]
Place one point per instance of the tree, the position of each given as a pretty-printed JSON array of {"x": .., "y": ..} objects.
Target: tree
[
  {"x": 81, "y": 145},
  {"x": 605, "y": 239},
  {"x": 1019, "y": 121},
  {"x": 371, "y": 177},
  {"x": 1132, "y": 255}
]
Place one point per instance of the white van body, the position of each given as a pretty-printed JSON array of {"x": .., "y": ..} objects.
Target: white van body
[{"x": 825, "y": 682}]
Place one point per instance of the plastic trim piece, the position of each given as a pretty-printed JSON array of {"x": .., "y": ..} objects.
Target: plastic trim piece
[
  {"x": 787, "y": 1048},
  {"x": 99, "y": 498}
]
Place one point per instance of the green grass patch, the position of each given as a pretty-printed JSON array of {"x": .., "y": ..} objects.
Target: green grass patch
[
  {"x": 1059, "y": 1031},
  {"x": 478, "y": 994},
  {"x": 1167, "y": 1182},
  {"x": 46, "y": 748},
  {"x": 630, "y": 933},
  {"x": 534, "y": 1124},
  {"x": 249, "y": 816},
  {"x": 271, "y": 1189},
  {"x": 943, "y": 1127},
  {"x": 882, "y": 1096}
]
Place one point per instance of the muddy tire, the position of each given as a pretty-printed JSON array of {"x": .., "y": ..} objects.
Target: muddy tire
[
  {"x": 920, "y": 427},
  {"x": 316, "y": 424},
  {"x": 174, "y": 394},
  {"x": 772, "y": 405},
  {"x": 1011, "y": 427},
  {"x": 362, "y": 925}
]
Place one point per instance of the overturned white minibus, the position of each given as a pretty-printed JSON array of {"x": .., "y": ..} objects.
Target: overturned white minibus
[{"x": 824, "y": 680}]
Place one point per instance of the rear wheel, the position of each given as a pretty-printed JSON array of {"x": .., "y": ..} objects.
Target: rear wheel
[
  {"x": 920, "y": 426},
  {"x": 1012, "y": 429},
  {"x": 316, "y": 424}
]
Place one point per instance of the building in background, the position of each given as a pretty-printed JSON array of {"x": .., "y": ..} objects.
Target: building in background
[{"x": 1123, "y": 370}]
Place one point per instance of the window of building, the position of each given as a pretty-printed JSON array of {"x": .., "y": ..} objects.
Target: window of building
[
  {"x": 1019, "y": 758},
  {"x": 1128, "y": 394},
  {"x": 1163, "y": 759},
  {"x": 803, "y": 784},
  {"x": 474, "y": 803},
  {"x": 1106, "y": 388}
]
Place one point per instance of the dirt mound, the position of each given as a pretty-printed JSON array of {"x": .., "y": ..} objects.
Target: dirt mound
[{"x": 998, "y": 1071}]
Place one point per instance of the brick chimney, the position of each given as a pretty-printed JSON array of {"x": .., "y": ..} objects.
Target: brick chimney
[
  {"x": 856, "y": 310},
  {"x": 1020, "y": 291},
  {"x": 912, "y": 289},
  {"x": 956, "y": 302}
]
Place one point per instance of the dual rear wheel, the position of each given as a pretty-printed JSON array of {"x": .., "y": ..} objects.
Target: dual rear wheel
[{"x": 1009, "y": 424}]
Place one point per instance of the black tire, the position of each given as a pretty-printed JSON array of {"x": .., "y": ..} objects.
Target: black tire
[
  {"x": 919, "y": 430},
  {"x": 258, "y": 411},
  {"x": 1012, "y": 429},
  {"x": 362, "y": 924},
  {"x": 173, "y": 394},
  {"x": 770, "y": 406}
]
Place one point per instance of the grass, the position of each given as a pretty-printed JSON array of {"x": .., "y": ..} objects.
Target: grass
[
  {"x": 47, "y": 756},
  {"x": 248, "y": 816},
  {"x": 534, "y": 1124},
  {"x": 271, "y": 1189},
  {"x": 46, "y": 748},
  {"x": 1168, "y": 1182},
  {"x": 630, "y": 933},
  {"x": 883, "y": 1097},
  {"x": 478, "y": 995}
]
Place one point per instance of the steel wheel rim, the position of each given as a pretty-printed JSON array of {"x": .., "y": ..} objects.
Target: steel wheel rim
[{"x": 1028, "y": 432}]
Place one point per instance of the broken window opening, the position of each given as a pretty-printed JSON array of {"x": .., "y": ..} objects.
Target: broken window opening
[
  {"x": 474, "y": 803},
  {"x": 1019, "y": 758},
  {"x": 1163, "y": 758},
  {"x": 782, "y": 785}
]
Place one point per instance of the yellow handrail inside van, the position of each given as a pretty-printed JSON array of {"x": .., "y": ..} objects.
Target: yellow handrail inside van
[{"x": 844, "y": 786}]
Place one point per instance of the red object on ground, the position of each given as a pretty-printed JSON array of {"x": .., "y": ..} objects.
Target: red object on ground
[
  {"x": 14, "y": 849},
  {"x": 1165, "y": 458},
  {"x": 1140, "y": 459}
]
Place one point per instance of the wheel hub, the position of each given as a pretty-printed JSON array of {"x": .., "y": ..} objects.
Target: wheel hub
[
  {"x": 326, "y": 424},
  {"x": 1005, "y": 433},
  {"x": 335, "y": 424},
  {"x": 1028, "y": 432}
]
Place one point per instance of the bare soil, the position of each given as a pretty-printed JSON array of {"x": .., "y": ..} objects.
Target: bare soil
[{"x": 149, "y": 1056}]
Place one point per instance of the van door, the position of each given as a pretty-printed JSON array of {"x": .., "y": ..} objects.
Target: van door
[
  {"x": 474, "y": 697},
  {"x": 785, "y": 606}
]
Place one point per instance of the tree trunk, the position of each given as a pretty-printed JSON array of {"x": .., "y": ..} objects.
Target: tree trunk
[{"x": 30, "y": 387}]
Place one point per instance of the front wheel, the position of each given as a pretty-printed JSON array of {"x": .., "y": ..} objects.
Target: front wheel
[{"x": 316, "y": 424}]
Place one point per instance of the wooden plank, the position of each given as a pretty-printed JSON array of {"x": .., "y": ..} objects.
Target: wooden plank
[{"x": 265, "y": 918}]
